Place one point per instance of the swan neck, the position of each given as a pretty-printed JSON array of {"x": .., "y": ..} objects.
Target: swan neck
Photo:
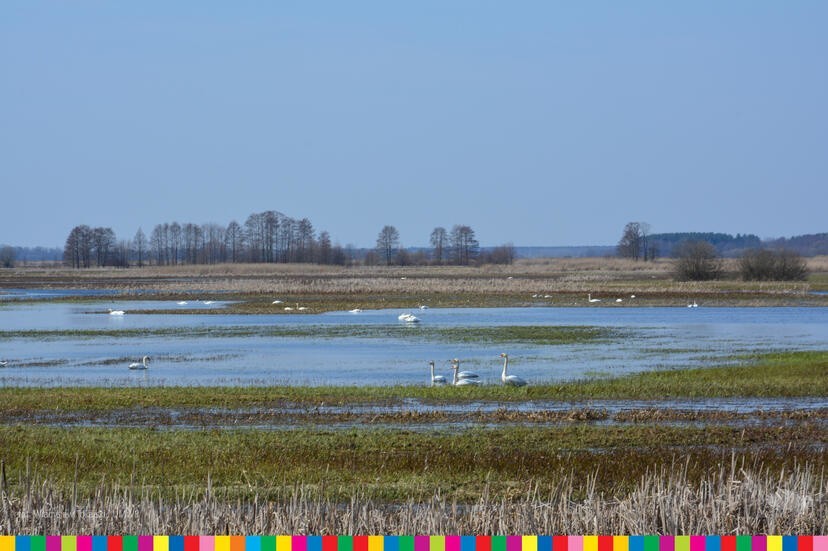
[{"x": 505, "y": 364}]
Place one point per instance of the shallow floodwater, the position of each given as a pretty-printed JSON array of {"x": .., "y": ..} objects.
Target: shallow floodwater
[{"x": 653, "y": 338}]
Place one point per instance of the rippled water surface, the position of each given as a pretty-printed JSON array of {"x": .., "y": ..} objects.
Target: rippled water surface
[{"x": 653, "y": 338}]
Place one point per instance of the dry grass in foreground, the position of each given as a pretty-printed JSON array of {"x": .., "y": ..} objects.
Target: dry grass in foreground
[{"x": 735, "y": 498}]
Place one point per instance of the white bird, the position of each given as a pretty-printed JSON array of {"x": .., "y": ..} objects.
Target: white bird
[
  {"x": 116, "y": 312},
  {"x": 693, "y": 305},
  {"x": 436, "y": 379},
  {"x": 4, "y": 363},
  {"x": 423, "y": 307},
  {"x": 589, "y": 297},
  {"x": 457, "y": 381},
  {"x": 208, "y": 302},
  {"x": 355, "y": 310},
  {"x": 288, "y": 308},
  {"x": 463, "y": 374},
  {"x": 408, "y": 317},
  {"x": 510, "y": 380},
  {"x": 302, "y": 308},
  {"x": 276, "y": 302},
  {"x": 140, "y": 365},
  {"x": 619, "y": 300},
  {"x": 182, "y": 303},
  {"x": 632, "y": 296}
]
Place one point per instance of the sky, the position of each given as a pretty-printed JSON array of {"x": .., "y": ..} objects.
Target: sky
[{"x": 533, "y": 122}]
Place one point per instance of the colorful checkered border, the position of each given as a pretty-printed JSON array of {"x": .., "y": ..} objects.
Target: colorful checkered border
[{"x": 413, "y": 543}]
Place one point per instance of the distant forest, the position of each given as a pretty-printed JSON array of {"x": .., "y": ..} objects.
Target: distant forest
[{"x": 273, "y": 237}]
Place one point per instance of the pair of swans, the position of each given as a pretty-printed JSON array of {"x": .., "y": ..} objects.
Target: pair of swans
[
  {"x": 408, "y": 317},
  {"x": 461, "y": 378},
  {"x": 470, "y": 378}
]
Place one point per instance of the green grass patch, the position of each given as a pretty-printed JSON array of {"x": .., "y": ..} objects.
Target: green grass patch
[{"x": 390, "y": 464}]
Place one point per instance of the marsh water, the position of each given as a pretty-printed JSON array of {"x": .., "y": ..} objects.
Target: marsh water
[{"x": 82, "y": 344}]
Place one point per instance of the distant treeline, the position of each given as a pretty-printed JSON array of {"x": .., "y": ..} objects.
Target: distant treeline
[
  {"x": 666, "y": 244},
  {"x": 266, "y": 237}
]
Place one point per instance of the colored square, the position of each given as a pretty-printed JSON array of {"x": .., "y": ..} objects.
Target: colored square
[
  {"x": 806, "y": 543},
  {"x": 468, "y": 543},
  {"x": 53, "y": 543},
  {"x": 298, "y": 543},
  {"x": 667, "y": 543},
  {"x": 360, "y": 543},
  {"x": 452, "y": 543},
  {"x": 176, "y": 543},
  {"x": 268, "y": 543},
  {"x": 345, "y": 543},
  {"x": 329, "y": 543},
  {"x": 391, "y": 543},
  {"x": 114, "y": 543},
  {"x": 560, "y": 543},
  {"x": 682, "y": 543},
  {"x": 636, "y": 543},
  {"x": 544, "y": 543},
  {"x": 144, "y": 543},
  {"x": 575, "y": 543},
  {"x": 620, "y": 543},
  {"x": 744, "y": 543},
  {"x": 405, "y": 543},
  {"x": 773, "y": 543},
  {"x": 38, "y": 543},
  {"x": 437, "y": 543},
  {"x": 529, "y": 543},
  {"x": 421, "y": 543},
  {"x": 375, "y": 543},
  {"x": 22, "y": 543},
  {"x": 207, "y": 543},
  {"x": 237, "y": 543},
  {"x": 160, "y": 543},
  {"x": 758, "y": 543},
  {"x": 187, "y": 543},
  {"x": 713, "y": 543},
  {"x": 7, "y": 543},
  {"x": 513, "y": 543},
  {"x": 820, "y": 543},
  {"x": 789, "y": 543},
  {"x": 99, "y": 543},
  {"x": 483, "y": 543},
  {"x": 590, "y": 543},
  {"x": 84, "y": 543},
  {"x": 697, "y": 543},
  {"x": 604, "y": 543},
  {"x": 254, "y": 543},
  {"x": 498, "y": 543}
]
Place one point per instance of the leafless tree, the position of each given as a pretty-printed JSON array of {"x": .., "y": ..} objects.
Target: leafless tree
[
  {"x": 324, "y": 250},
  {"x": 7, "y": 256},
  {"x": 234, "y": 240},
  {"x": 630, "y": 244},
  {"x": 388, "y": 241},
  {"x": 464, "y": 245},
  {"x": 304, "y": 241},
  {"x": 766, "y": 265},
  {"x": 439, "y": 240},
  {"x": 697, "y": 261},
  {"x": 140, "y": 241},
  {"x": 77, "y": 252}
]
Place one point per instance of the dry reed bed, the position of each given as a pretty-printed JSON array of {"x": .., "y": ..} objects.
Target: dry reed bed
[{"x": 734, "y": 497}]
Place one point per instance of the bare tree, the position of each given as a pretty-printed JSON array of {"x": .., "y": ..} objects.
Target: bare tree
[
  {"x": 324, "y": 251},
  {"x": 439, "y": 240},
  {"x": 766, "y": 265},
  {"x": 7, "y": 256},
  {"x": 234, "y": 239},
  {"x": 77, "y": 252},
  {"x": 697, "y": 261},
  {"x": 140, "y": 241},
  {"x": 464, "y": 245},
  {"x": 388, "y": 241},
  {"x": 304, "y": 241},
  {"x": 630, "y": 244}
]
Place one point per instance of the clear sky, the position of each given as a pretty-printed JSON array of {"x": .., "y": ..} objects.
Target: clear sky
[{"x": 534, "y": 122}]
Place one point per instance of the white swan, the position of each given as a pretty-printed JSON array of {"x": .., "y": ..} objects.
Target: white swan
[
  {"x": 355, "y": 310},
  {"x": 589, "y": 298},
  {"x": 510, "y": 380},
  {"x": 4, "y": 363},
  {"x": 276, "y": 302},
  {"x": 436, "y": 379},
  {"x": 408, "y": 317},
  {"x": 143, "y": 364},
  {"x": 457, "y": 381},
  {"x": 619, "y": 300},
  {"x": 463, "y": 374},
  {"x": 182, "y": 303},
  {"x": 693, "y": 305},
  {"x": 116, "y": 312},
  {"x": 288, "y": 308},
  {"x": 208, "y": 302},
  {"x": 423, "y": 307}
]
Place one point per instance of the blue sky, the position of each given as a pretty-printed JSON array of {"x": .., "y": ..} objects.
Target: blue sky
[{"x": 537, "y": 123}]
